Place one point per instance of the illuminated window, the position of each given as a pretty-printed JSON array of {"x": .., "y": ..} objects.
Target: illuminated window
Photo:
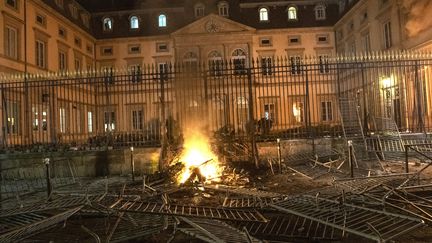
[
  {"x": 109, "y": 121},
  {"x": 89, "y": 122},
  {"x": 162, "y": 20},
  {"x": 263, "y": 14},
  {"x": 107, "y": 24},
  {"x": 298, "y": 111},
  {"x": 134, "y": 22},
  {"x": 292, "y": 13}
]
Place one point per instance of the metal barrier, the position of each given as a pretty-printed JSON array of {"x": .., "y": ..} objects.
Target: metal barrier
[{"x": 283, "y": 98}]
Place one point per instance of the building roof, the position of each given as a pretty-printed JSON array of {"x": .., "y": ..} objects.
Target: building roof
[{"x": 181, "y": 13}]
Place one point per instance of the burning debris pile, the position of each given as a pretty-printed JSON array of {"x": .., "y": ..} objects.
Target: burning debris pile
[{"x": 202, "y": 196}]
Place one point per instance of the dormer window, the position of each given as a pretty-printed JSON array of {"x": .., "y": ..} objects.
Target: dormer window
[
  {"x": 134, "y": 22},
  {"x": 292, "y": 13},
  {"x": 263, "y": 14},
  {"x": 74, "y": 10},
  {"x": 199, "y": 10},
  {"x": 162, "y": 20},
  {"x": 320, "y": 12},
  {"x": 107, "y": 24},
  {"x": 86, "y": 20},
  {"x": 223, "y": 9}
]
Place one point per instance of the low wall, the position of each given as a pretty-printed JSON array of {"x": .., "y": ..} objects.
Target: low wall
[{"x": 78, "y": 163}]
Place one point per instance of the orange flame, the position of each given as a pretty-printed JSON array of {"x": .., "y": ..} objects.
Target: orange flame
[{"x": 197, "y": 153}]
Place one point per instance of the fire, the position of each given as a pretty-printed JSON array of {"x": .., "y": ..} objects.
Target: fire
[{"x": 197, "y": 153}]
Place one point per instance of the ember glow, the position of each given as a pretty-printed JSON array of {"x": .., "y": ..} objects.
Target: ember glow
[{"x": 197, "y": 153}]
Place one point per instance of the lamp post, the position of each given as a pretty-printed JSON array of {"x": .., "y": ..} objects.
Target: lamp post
[{"x": 132, "y": 163}]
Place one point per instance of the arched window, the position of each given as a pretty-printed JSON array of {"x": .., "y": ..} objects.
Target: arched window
[
  {"x": 320, "y": 12},
  {"x": 162, "y": 20},
  {"x": 215, "y": 63},
  {"x": 223, "y": 8},
  {"x": 292, "y": 13},
  {"x": 134, "y": 22},
  {"x": 107, "y": 24},
  {"x": 239, "y": 61},
  {"x": 263, "y": 14},
  {"x": 199, "y": 10}
]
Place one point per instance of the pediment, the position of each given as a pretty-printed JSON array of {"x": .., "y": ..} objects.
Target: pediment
[{"x": 213, "y": 23}]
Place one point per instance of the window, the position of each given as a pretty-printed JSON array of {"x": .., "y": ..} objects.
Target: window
[
  {"x": 298, "y": 111},
  {"x": 107, "y": 51},
  {"x": 62, "y": 61},
  {"x": 352, "y": 46},
  {"x": 270, "y": 111},
  {"x": 242, "y": 111},
  {"x": 215, "y": 63},
  {"x": 85, "y": 19},
  {"x": 89, "y": 48},
  {"x": 163, "y": 70},
  {"x": 223, "y": 9},
  {"x": 12, "y": 3},
  {"x": 366, "y": 42},
  {"x": 199, "y": 10},
  {"x": 77, "y": 41},
  {"x": 292, "y": 13},
  {"x": 109, "y": 121},
  {"x": 12, "y": 113},
  {"x": 296, "y": 66},
  {"x": 74, "y": 10},
  {"x": 59, "y": 3},
  {"x": 11, "y": 42},
  {"x": 41, "y": 54},
  {"x": 323, "y": 64},
  {"x": 263, "y": 14},
  {"x": 41, "y": 20},
  {"x": 107, "y": 24},
  {"x": 326, "y": 111},
  {"x": 134, "y": 22},
  {"x": 190, "y": 61},
  {"x": 387, "y": 35},
  {"x": 322, "y": 39},
  {"x": 62, "y": 32},
  {"x": 239, "y": 61},
  {"x": 162, "y": 20},
  {"x": 294, "y": 40},
  {"x": 77, "y": 63},
  {"x": 265, "y": 41},
  {"x": 62, "y": 119},
  {"x": 266, "y": 66},
  {"x": 340, "y": 34},
  {"x": 320, "y": 12},
  {"x": 134, "y": 49},
  {"x": 39, "y": 118},
  {"x": 161, "y": 47},
  {"x": 137, "y": 119},
  {"x": 89, "y": 122}
]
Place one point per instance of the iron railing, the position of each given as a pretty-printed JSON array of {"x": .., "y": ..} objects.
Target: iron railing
[{"x": 271, "y": 98}]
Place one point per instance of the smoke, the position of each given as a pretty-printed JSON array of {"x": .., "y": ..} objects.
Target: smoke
[{"x": 418, "y": 16}]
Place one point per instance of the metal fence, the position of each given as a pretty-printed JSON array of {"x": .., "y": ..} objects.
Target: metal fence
[{"x": 288, "y": 97}]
